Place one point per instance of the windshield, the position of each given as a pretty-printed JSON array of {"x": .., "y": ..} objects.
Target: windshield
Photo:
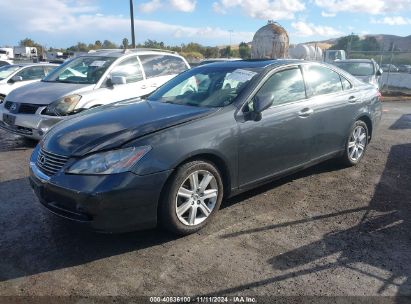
[
  {"x": 7, "y": 70},
  {"x": 87, "y": 70},
  {"x": 205, "y": 87},
  {"x": 357, "y": 68}
]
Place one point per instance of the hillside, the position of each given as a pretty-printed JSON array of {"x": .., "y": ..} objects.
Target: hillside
[{"x": 401, "y": 43}]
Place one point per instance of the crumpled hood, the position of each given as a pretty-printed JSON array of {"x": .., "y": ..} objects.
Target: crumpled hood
[
  {"x": 113, "y": 125},
  {"x": 44, "y": 93}
]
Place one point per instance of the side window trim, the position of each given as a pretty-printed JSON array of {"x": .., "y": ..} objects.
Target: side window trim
[
  {"x": 116, "y": 64},
  {"x": 264, "y": 80},
  {"x": 351, "y": 85},
  {"x": 142, "y": 68},
  {"x": 287, "y": 68},
  {"x": 327, "y": 94}
]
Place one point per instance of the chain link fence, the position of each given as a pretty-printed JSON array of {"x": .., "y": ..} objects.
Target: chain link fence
[{"x": 396, "y": 66}]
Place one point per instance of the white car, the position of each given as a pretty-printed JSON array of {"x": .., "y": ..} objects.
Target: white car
[
  {"x": 17, "y": 75},
  {"x": 85, "y": 82}
]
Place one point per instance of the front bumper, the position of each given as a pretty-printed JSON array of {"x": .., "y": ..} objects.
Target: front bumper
[
  {"x": 110, "y": 203},
  {"x": 28, "y": 125}
]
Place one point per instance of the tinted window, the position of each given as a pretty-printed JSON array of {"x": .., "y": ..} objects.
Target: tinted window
[
  {"x": 162, "y": 65},
  {"x": 32, "y": 73},
  {"x": 205, "y": 87},
  {"x": 130, "y": 69},
  {"x": 357, "y": 68},
  {"x": 284, "y": 86},
  {"x": 345, "y": 84},
  {"x": 83, "y": 69},
  {"x": 323, "y": 80},
  {"x": 49, "y": 69}
]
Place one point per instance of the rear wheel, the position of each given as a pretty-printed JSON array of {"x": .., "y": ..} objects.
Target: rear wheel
[
  {"x": 191, "y": 198},
  {"x": 356, "y": 144}
]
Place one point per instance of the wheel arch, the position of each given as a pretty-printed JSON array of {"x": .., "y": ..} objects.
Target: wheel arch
[
  {"x": 367, "y": 120},
  {"x": 217, "y": 160}
]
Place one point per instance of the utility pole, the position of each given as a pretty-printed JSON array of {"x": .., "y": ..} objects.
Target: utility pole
[{"x": 133, "y": 37}]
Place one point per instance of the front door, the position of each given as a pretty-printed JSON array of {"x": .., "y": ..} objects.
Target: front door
[
  {"x": 282, "y": 139},
  {"x": 135, "y": 85}
]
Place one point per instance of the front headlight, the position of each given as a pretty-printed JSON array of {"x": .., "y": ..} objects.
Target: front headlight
[
  {"x": 63, "y": 106},
  {"x": 111, "y": 162}
]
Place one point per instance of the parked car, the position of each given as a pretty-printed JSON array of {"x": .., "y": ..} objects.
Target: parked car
[
  {"x": 172, "y": 158},
  {"x": 85, "y": 82},
  {"x": 389, "y": 68},
  {"x": 405, "y": 68},
  {"x": 4, "y": 62},
  {"x": 366, "y": 70},
  {"x": 17, "y": 75}
]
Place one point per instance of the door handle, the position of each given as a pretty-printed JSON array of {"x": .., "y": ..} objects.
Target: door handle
[
  {"x": 305, "y": 112},
  {"x": 154, "y": 85},
  {"x": 143, "y": 87},
  {"x": 352, "y": 99}
]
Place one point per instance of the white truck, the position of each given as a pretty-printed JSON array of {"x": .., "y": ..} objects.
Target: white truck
[
  {"x": 6, "y": 53},
  {"x": 25, "y": 52}
]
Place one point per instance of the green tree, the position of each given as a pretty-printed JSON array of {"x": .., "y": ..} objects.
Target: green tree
[
  {"x": 344, "y": 43},
  {"x": 370, "y": 44},
  {"x": 125, "y": 43},
  {"x": 211, "y": 52},
  {"x": 244, "y": 50},
  {"x": 107, "y": 44},
  {"x": 98, "y": 44},
  {"x": 225, "y": 52},
  {"x": 31, "y": 43},
  {"x": 153, "y": 44}
]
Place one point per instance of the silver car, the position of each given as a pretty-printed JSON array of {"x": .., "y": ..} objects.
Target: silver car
[
  {"x": 85, "y": 82},
  {"x": 366, "y": 70},
  {"x": 17, "y": 75}
]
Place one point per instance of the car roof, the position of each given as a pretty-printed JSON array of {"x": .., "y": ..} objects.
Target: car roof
[
  {"x": 354, "y": 60},
  {"x": 21, "y": 65},
  {"x": 254, "y": 63},
  {"x": 117, "y": 53}
]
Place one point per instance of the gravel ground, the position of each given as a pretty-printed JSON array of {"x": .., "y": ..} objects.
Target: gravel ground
[{"x": 327, "y": 231}]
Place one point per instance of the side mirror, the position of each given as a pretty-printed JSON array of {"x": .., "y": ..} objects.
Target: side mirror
[
  {"x": 16, "y": 78},
  {"x": 379, "y": 72},
  {"x": 262, "y": 102},
  {"x": 117, "y": 80}
]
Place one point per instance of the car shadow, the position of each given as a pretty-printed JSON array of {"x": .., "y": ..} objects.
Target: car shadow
[
  {"x": 34, "y": 241},
  {"x": 327, "y": 166},
  {"x": 381, "y": 239},
  {"x": 11, "y": 142},
  {"x": 403, "y": 123}
]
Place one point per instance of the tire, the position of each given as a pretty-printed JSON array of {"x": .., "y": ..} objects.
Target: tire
[
  {"x": 356, "y": 144},
  {"x": 186, "y": 206}
]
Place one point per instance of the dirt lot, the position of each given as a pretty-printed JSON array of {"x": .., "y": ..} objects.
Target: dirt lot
[{"x": 325, "y": 231}]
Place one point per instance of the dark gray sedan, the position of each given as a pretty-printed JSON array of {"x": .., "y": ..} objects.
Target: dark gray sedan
[{"x": 208, "y": 134}]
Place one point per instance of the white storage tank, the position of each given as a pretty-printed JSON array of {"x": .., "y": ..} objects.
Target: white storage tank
[{"x": 270, "y": 42}]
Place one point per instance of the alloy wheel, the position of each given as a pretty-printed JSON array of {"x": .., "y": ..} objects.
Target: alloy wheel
[
  {"x": 357, "y": 143},
  {"x": 196, "y": 198}
]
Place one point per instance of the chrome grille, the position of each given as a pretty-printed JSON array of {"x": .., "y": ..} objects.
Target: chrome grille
[
  {"x": 8, "y": 105},
  {"x": 50, "y": 163}
]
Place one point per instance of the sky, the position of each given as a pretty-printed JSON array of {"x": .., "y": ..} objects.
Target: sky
[{"x": 62, "y": 23}]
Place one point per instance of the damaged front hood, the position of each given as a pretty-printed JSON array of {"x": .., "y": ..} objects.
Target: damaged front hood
[{"x": 111, "y": 126}]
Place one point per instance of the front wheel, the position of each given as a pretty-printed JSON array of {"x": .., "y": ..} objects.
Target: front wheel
[
  {"x": 191, "y": 198},
  {"x": 356, "y": 144}
]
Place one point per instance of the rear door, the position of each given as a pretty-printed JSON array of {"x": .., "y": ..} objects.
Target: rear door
[
  {"x": 334, "y": 102},
  {"x": 159, "y": 69},
  {"x": 281, "y": 139}
]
